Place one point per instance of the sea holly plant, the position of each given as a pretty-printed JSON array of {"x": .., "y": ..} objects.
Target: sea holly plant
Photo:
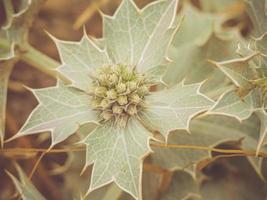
[
  {"x": 247, "y": 71},
  {"x": 192, "y": 50},
  {"x": 13, "y": 33},
  {"x": 112, "y": 86}
]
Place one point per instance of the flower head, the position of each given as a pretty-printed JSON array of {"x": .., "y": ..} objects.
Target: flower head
[{"x": 118, "y": 92}]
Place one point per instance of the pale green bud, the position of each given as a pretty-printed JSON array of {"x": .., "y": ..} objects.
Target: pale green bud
[
  {"x": 131, "y": 109},
  {"x": 143, "y": 90},
  {"x": 107, "y": 115},
  {"x": 105, "y": 103},
  {"x": 116, "y": 68},
  {"x": 121, "y": 88},
  {"x": 122, "y": 100},
  {"x": 111, "y": 94},
  {"x": 100, "y": 91},
  {"x": 113, "y": 79},
  {"x": 132, "y": 85},
  {"x": 102, "y": 79},
  {"x": 116, "y": 109},
  {"x": 134, "y": 98},
  {"x": 127, "y": 74}
]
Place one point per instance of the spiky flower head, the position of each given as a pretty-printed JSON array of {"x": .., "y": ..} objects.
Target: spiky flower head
[{"x": 117, "y": 93}]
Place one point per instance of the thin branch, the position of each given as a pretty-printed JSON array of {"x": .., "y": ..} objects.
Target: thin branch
[
  {"x": 173, "y": 146},
  {"x": 40, "y": 61},
  {"x": 201, "y": 148}
]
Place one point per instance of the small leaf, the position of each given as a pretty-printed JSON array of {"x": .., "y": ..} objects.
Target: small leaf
[
  {"x": 238, "y": 70},
  {"x": 25, "y": 187},
  {"x": 61, "y": 110},
  {"x": 233, "y": 105},
  {"x": 173, "y": 108},
  {"x": 117, "y": 156},
  {"x": 140, "y": 37}
]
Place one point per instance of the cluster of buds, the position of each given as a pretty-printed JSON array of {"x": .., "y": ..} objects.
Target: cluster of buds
[{"x": 118, "y": 93}]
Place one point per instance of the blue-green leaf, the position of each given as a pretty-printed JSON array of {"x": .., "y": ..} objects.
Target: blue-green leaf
[
  {"x": 117, "y": 155},
  {"x": 61, "y": 110}
]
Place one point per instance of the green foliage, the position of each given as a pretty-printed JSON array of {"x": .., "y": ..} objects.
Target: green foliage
[
  {"x": 178, "y": 104},
  {"x": 15, "y": 30},
  {"x": 60, "y": 111},
  {"x": 116, "y": 153}
]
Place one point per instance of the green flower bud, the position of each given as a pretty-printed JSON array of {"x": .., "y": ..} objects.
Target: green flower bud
[
  {"x": 105, "y": 103},
  {"x": 116, "y": 69},
  {"x": 102, "y": 79},
  {"x": 111, "y": 94},
  {"x": 116, "y": 109},
  {"x": 122, "y": 100},
  {"x": 131, "y": 109},
  {"x": 107, "y": 115},
  {"x": 132, "y": 85},
  {"x": 134, "y": 98},
  {"x": 127, "y": 74},
  {"x": 100, "y": 91},
  {"x": 143, "y": 90},
  {"x": 121, "y": 88},
  {"x": 113, "y": 79}
]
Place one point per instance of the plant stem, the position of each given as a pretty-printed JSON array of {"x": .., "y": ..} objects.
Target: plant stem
[{"x": 40, "y": 61}]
